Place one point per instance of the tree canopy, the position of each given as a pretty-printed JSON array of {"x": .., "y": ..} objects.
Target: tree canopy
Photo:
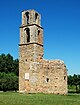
[
  {"x": 74, "y": 81},
  {"x": 8, "y": 64},
  {"x": 9, "y": 71}
]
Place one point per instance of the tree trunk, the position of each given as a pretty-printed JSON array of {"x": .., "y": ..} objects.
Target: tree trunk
[{"x": 76, "y": 89}]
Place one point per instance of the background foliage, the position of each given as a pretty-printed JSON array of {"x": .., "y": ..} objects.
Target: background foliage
[
  {"x": 9, "y": 71},
  {"x": 74, "y": 83}
]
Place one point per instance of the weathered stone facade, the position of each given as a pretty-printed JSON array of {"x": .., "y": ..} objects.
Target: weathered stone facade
[{"x": 35, "y": 73}]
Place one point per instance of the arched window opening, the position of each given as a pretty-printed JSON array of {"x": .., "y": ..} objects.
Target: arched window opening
[
  {"x": 27, "y": 17},
  {"x": 36, "y": 17},
  {"x": 28, "y": 34}
]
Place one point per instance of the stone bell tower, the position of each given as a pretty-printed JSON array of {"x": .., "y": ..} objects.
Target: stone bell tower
[
  {"x": 30, "y": 47},
  {"x": 35, "y": 73}
]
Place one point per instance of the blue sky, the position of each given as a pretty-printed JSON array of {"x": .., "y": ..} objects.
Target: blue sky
[{"x": 61, "y": 23}]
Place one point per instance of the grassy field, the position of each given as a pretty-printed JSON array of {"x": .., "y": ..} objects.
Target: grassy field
[{"x": 8, "y": 98}]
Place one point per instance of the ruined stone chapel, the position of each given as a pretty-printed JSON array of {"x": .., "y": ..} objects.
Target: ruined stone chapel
[{"x": 35, "y": 73}]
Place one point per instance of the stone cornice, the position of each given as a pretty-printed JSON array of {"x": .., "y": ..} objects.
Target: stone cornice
[
  {"x": 30, "y": 25},
  {"x": 31, "y": 43}
]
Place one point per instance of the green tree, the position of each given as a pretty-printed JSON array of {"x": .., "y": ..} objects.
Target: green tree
[
  {"x": 70, "y": 80},
  {"x": 3, "y": 81},
  {"x": 75, "y": 81},
  {"x": 9, "y": 71},
  {"x": 8, "y": 65},
  {"x": 8, "y": 81},
  {"x": 16, "y": 67},
  {"x": 79, "y": 81}
]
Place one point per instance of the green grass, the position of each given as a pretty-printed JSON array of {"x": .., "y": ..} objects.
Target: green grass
[{"x": 8, "y": 98}]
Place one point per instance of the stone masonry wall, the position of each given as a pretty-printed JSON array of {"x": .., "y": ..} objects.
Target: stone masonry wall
[
  {"x": 48, "y": 77},
  {"x": 35, "y": 73}
]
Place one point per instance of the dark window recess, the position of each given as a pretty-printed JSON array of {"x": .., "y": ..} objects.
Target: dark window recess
[
  {"x": 38, "y": 32},
  {"x": 47, "y": 79},
  {"x": 36, "y": 16},
  {"x": 55, "y": 86},
  {"x": 64, "y": 77},
  {"x": 27, "y": 17},
  {"x": 26, "y": 60},
  {"x": 28, "y": 34}
]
